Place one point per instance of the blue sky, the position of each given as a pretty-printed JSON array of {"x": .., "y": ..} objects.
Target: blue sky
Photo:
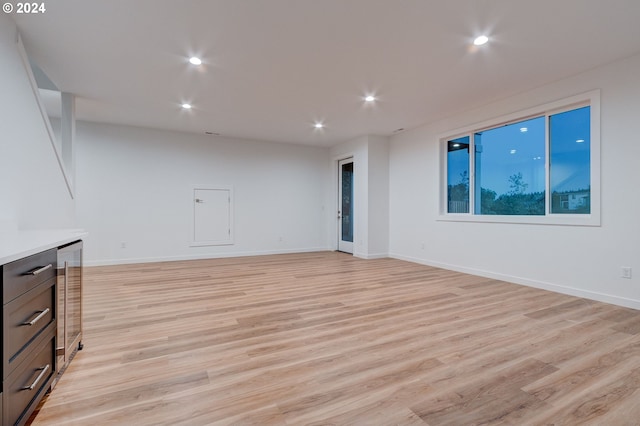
[{"x": 520, "y": 148}]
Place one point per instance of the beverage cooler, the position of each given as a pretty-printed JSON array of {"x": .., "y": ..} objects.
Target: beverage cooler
[{"x": 69, "y": 305}]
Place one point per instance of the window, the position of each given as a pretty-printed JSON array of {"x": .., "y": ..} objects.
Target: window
[
  {"x": 569, "y": 145},
  {"x": 540, "y": 166},
  {"x": 509, "y": 169},
  {"x": 458, "y": 175}
]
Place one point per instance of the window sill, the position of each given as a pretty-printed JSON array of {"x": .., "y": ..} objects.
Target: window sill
[{"x": 562, "y": 220}]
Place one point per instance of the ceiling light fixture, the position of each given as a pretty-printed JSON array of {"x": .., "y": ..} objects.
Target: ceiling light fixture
[
  {"x": 186, "y": 106},
  {"x": 194, "y": 60},
  {"x": 318, "y": 125},
  {"x": 369, "y": 98},
  {"x": 480, "y": 40}
]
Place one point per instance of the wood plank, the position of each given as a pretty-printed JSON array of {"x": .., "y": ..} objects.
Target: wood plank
[{"x": 326, "y": 338}]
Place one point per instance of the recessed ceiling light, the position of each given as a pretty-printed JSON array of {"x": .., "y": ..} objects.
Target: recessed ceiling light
[
  {"x": 318, "y": 125},
  {"x": 523, "y": 130},
  {"x": 480, "y": 40},
  {"x": 186, "y": 106},
  {"x": 194, "y": 60},
  {"x": 579, "y": 140},
  {"x": 369, "y": 98}
]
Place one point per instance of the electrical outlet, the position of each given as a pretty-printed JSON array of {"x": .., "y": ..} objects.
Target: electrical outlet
[
  {"x": 626, "y": 272},
  {"x": 123, "y": 245}
]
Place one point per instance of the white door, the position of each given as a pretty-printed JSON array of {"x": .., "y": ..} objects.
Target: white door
[
  {"x": 211, "y": 216},
  {"x": 345, "y": 205}
]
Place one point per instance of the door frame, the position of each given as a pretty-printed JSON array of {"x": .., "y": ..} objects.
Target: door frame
[{"x": 338, "y": 223}]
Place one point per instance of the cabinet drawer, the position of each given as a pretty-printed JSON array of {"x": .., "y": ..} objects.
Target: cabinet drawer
[
  {"x": 26, "y": 386},
  {"x": 24, "y": 319},
  {"x": 22, "y": 275}
]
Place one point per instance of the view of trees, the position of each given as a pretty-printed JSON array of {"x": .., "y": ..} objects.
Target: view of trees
[
  {"x": 502, "y": 170},
  {"x": 459, "y": 195},
  {"x": 516, "y": 202}
]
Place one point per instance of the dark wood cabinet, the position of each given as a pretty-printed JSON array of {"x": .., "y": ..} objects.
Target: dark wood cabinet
[
  {"x": 28, "y": 334},
  {"x": 30, "y": 381},
  {"x": 25, "y": 318},
  {"x": 22, "y": 275}
]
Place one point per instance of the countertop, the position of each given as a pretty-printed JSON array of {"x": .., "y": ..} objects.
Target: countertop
[{"x": 15, "y": 245}]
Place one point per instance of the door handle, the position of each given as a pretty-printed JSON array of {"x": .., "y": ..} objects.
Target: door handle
[
  {"x": 43, "y": 371},
  {"x": 40, "y": 315},
  {"x": 40, "y": 270},
  {"x": 199, "y": 200}
]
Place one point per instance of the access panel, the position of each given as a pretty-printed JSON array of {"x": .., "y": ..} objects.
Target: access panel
[{"x": 212, "y": 216}]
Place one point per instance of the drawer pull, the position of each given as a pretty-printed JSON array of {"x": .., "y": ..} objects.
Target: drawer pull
[
  {"x": 40, "y": 376},
  {"x": 40, "y": 315},
  {"x": 40, "y": 270}
]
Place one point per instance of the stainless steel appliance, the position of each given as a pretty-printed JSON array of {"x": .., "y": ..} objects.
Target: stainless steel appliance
[{"x": 69, "y": 305}]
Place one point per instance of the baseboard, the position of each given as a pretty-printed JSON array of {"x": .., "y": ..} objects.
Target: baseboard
[
  {"x": 371, "y": 256},
  {"x": 110, "y": 262},
  {"x": 571, "y": 291}
]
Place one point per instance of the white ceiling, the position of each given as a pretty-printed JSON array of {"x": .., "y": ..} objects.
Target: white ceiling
[{"x": 272, "y": 68}]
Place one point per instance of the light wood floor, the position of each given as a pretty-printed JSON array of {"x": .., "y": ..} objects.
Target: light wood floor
[{"x": 328, "y": 339}]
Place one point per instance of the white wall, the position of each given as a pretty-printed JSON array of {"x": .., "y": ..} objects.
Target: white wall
[
  {"x": 584, "y": 261},
  {"x": 134, "y": 187},
  {"x": 371, "y": 194},
  {"x": 33, "y": 193},
  {"x": 378, "y": 196}
]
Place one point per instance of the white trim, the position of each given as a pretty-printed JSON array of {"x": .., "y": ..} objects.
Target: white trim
[
  {"x": 231, "y": 239},
  {"x": 571, "y": 291},
  {"x": 371, "y": 256},
  {"x": 560, "y": 104},
  {"x": 556, "y": 219},
  {"x": 591, "y": 99},
  {"x": 109, "y": 262},
  {"x": 345, "y": 246},
  {"x": 335, "y": 160}
]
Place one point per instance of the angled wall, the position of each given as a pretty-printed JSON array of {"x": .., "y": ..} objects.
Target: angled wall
[{"x": 33, "y": 193}]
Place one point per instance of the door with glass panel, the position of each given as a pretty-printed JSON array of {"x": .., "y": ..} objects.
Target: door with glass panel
[{"x": 345, "y": 205}]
